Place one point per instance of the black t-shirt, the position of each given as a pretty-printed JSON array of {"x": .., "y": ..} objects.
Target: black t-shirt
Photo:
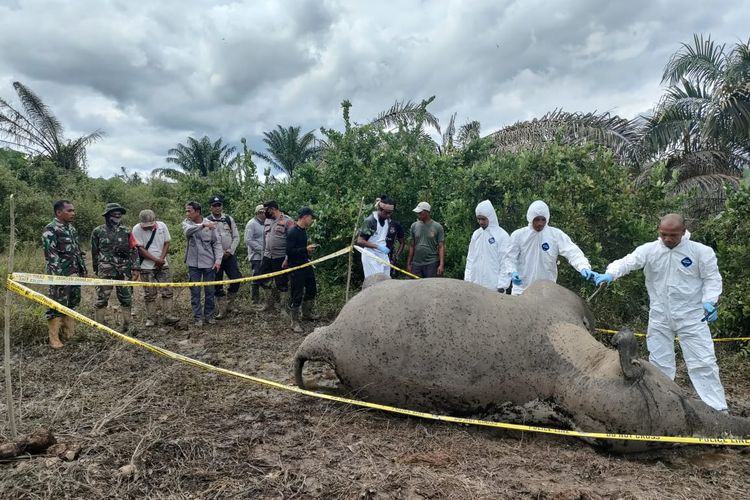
[
  {"x": 395, "y": 233},
  {"x": 296, "y": 246}
]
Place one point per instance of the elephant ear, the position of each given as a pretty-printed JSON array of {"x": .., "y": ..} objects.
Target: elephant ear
[{"x": 574, "y": 344}]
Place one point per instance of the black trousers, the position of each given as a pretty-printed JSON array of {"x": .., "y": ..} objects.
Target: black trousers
[
  {"x": 254, "y": 285},
  {"x": 303, "y": 287},
  {"x": 268, "y": 265},
  {"x": 228, "y": 265}
]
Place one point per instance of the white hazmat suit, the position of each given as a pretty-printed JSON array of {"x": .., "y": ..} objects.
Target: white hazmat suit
[
  {"x": 679, "y": 281},
  {"x": 485, "y": 263},
  {"x": 533, "y": 254}
]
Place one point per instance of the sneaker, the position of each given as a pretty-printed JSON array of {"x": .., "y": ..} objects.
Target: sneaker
[
  {"x": 198, "y": 323},
  {"x": 149, "y": 322},
  {"x": 211, "y": 321}
]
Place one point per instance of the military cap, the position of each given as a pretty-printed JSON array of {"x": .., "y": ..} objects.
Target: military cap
[{"x": 111, "y": 207}]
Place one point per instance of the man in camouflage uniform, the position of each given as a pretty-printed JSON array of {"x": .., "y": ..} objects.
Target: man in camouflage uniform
[
  {"x": 64, "y": 257},
  {"x": 114, "y": 256}
]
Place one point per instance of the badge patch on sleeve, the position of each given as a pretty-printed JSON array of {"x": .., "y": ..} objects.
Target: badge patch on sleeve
[
  {"x": 545, "y": 246},
  {"x": 686, "y": 262}
]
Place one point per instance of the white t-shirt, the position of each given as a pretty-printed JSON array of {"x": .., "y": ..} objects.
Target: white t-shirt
[{"x": 142, "y": 236}]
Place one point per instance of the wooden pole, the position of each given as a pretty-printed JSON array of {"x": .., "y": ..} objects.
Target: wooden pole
[
  {"x": 354, "y": 240},
  {"x": 6, "y": 319}
]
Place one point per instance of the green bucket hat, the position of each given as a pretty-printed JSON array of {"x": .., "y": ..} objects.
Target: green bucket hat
[{"x": 111, "y": 207}]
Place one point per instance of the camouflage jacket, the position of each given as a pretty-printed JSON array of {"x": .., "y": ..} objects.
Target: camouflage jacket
[
  {"x": 112, "y": 245},
  {"x": 62, "y": 250}
]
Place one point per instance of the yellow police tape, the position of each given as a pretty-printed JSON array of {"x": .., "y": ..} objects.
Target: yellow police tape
[
  {"x": 383, "y": 261},
  {"x": 728, "y": 339},
  {"x": 41, "y": 299},
  {"x": 49, "y": 279}
]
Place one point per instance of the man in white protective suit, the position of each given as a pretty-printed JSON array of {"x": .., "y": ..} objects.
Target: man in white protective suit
[
  {"x": 488, "y": 248},
  {"x": 534, "y": 250},
  {"x": 684, "y": 285}
]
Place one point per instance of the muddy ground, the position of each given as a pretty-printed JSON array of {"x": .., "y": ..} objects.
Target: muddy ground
[{"x": 152, "y": 428}]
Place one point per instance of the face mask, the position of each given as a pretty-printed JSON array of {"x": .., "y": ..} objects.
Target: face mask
[{"x": 115, "y": 220}]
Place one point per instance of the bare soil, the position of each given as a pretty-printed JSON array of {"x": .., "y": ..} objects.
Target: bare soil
[{"x": 149, "y": 427}]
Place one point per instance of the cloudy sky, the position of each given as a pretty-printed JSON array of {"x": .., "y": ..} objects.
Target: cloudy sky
[{"x": 152, "y": 73}]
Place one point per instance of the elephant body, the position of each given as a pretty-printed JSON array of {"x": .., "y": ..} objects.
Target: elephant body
[{"x": 448, "y": 346}]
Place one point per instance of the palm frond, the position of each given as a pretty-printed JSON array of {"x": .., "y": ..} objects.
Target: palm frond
[
  {"x": 613, "y": 132},
  {"x": 702, "y": 61},
  {"x": 39, "y": 114},
  {"x": 403, "y": 114}
]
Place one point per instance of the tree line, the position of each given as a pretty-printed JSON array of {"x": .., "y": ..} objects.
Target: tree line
[{"x": 606, "y": 178}]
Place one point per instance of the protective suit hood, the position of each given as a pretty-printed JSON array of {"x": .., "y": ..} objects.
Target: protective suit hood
[
  {"x": 537, "y": 209},
  {"x": 488, "y": 248},
  {"x": 485, "y": 209}
]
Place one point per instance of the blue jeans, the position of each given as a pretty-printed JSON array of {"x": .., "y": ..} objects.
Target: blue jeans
[{"x": 199, "y": 274}]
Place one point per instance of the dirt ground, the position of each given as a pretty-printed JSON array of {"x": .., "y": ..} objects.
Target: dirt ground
[{"x": 152, "y": 428}]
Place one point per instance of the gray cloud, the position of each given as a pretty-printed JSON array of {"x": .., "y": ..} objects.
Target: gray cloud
[{"x": 152, "y": 74}]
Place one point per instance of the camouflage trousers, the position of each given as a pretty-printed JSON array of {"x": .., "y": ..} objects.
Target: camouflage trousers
[
  {"x": 69, "y": 296},
  {"x": 124, "y": 294},
  {"x": 156, "y": 275}
]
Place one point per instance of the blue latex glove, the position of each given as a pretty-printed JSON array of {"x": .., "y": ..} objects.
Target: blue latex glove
[
  {"x": 384, "y": 249},
  {"x": 516, "y": 279},
  {"x": 588, "y": 274},
  {"x": 603, "y": 278},
  {"x": 712, "y": 314}
]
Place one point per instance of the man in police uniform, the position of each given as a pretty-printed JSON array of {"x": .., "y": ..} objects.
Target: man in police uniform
[
  {"x": 63, "y": 255},
  {"x": 114, "y": 257}
]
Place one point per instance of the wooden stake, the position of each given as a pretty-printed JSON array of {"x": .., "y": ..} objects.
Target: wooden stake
[
  {"x": 354, "y": 240},
  {"x": 6, "y": 319}
]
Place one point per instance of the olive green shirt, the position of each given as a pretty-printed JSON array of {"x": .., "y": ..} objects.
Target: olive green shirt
[{"x": 426, "y": 238}]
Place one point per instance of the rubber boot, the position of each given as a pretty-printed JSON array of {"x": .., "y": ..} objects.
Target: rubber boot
[
  {"x": 53, "y": 325},
  {"x": 221, "y": 308},
  {"x": 167, "y": 309},
  {"x": 255, "y": 294},
  {"x": 271, "y": 299},
  {"x": 284, "y": 302},
  {"x": 68, "y": 327},
  {"x": 150, "y": 313},
  {"x": 294, "y": 314},
  {"x": 230, "y": 303},
  {"x": 308, "y": 312},
  {"x": 100, "y": 315},
  {"x": 125, "y": 318}
]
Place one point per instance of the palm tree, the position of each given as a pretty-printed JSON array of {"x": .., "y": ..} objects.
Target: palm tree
[
  {"x": 701, "y": 126},
  {"x": 468, "y": 132},
  {"x": 407, "y": 114},
  {"x": 199, "y": 157},
  {"x": 287, "y": 149},
  {"x": 610, "y": 131},
  {"x": 39, "y": 132}
]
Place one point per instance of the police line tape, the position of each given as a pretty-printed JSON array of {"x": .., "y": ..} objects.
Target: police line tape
[
  {"x": 727, "y": 339},
  {"x": 41, "y": 299},
  {"x": 371, "y": 255},
  {"x": 49, "y": 279}
]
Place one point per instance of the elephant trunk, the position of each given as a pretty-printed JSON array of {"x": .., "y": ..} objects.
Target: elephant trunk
[{"x": 312, "y": 349}]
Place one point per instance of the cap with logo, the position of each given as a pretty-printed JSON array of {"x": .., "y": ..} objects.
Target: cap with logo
[
  {"x": 423, "y": 206},
  {"x": 216, "y": 200}
]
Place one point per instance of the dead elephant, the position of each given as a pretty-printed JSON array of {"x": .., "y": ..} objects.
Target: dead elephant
[{"x": 452, "y": 347}]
